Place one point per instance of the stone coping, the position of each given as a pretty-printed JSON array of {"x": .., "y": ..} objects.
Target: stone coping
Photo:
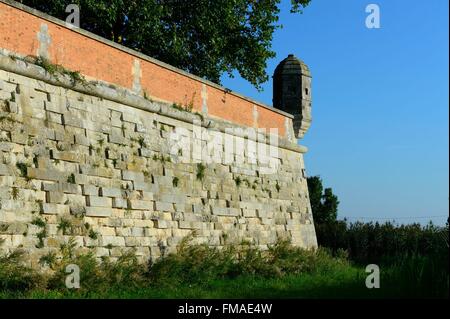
[{"x": 127, "y": 97}]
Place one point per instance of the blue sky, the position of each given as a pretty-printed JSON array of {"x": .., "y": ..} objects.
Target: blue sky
[{"x": 379, "y": 135}]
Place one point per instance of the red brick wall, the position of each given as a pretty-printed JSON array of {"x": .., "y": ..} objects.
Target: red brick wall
[{"x": 99, "y": 60}]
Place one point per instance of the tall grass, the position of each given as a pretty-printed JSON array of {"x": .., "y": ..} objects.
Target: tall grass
[
  {"x": 16, "y": 276},
  {"x": 201, "y": 263},
  {"x": 418, "y": 276},
  {"x": 198, "y": 271},
  {"x": 383, "y": 243},
  {"x": 414, "y": 259},
  {"x": 197, "y": 265},
  {"x": 126, "y": 271}
]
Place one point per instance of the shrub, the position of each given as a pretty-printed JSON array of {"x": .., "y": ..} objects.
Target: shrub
[
  {"x": 200, "y": 266},
  {"x": 15, "y": 275},
  {"x": 190, "y": 264},
  {"x": 91, "y": 278},
  {"x": 201, "y": 263},
  {"x": 125, "y": 272}
]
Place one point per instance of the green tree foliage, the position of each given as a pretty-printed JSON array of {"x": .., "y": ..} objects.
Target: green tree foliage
[
  {"x": 324, "y": 203},
  {"x": 204, "y": 37}
]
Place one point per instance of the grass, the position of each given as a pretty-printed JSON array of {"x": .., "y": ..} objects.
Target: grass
[
  {"x": 161, "y": 158},
  {"x": 93, "y": 234},
  {"x": 40, "y": 236},
  {"x": 242, "y": 287},
  {"x": 188, "y": 107},
  {"x": 22, "y": 167},
  {"x": 242, "y": 271},
  {"x": 278, "y": 187},
  {"x": 200, "y": 171},
  {"x": 15, "y": 276},
  {"x": 345, "y": 282},
  {"x": 55, "y": 69},
  {"x": 71, "y": 179},
  {"x": 141, "y": 142},
  {"x": 37, "y": 221},
  {"x": 14, "y": 193},
  {"x": 65, "y": 226},
  {"x": 175, "y": 181}
]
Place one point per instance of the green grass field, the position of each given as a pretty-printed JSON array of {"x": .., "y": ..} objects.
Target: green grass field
[
  {"x": 238, "y": 272},
  {"x": 339, "y": 285},
  {"x": 348, "y": 283}
]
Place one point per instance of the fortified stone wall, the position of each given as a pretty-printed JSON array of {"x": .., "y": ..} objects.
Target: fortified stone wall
[{"x": 115, "y": 170}]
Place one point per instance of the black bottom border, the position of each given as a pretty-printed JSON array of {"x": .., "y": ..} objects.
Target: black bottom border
[{"x": 226, "y": 308}]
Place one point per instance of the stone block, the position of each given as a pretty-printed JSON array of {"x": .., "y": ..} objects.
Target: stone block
[
  {"x": 249, "y": 212},
  {"x": 70, "y": 188},
  {"x": 141, "y": 204},
  {"x": 131, "y": 241},
  {"x": 54, "y": 209},
  {"x": 114, "y": 241},
  {"x": 137, "y": 231},
  {"x": 172, "y": 198},
  {"x": 160, "y": 224},
  {"x": 5, "y": 170},
  {"x": 143, "y": 186},
  {"x": 107, "y": 231},
  {"x": 90, "y": 190},
  {"x": 98, "y": 211},
  {"x": 45, "y": 174},
  {"x": 132, "y": 176},
  {"x": 116, "y": 137},
  {"x": 81, "y": 140},
  {"x": 225, "y": 211},
  {"x": 55, "y": 197},
  {"x": 118, "y": 202},
  {"x": 123, "y": 231},
  {"x": 110, "y": 192},
  {"x": 164, "y": 207},
  {"x": 67, "y": 156},
  {"x": 96, "y": 201}
]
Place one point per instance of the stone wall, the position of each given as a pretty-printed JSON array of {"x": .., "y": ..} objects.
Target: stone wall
[
  {"x": 116, "y": 171},
  {"x": 110, "y": 157}
]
